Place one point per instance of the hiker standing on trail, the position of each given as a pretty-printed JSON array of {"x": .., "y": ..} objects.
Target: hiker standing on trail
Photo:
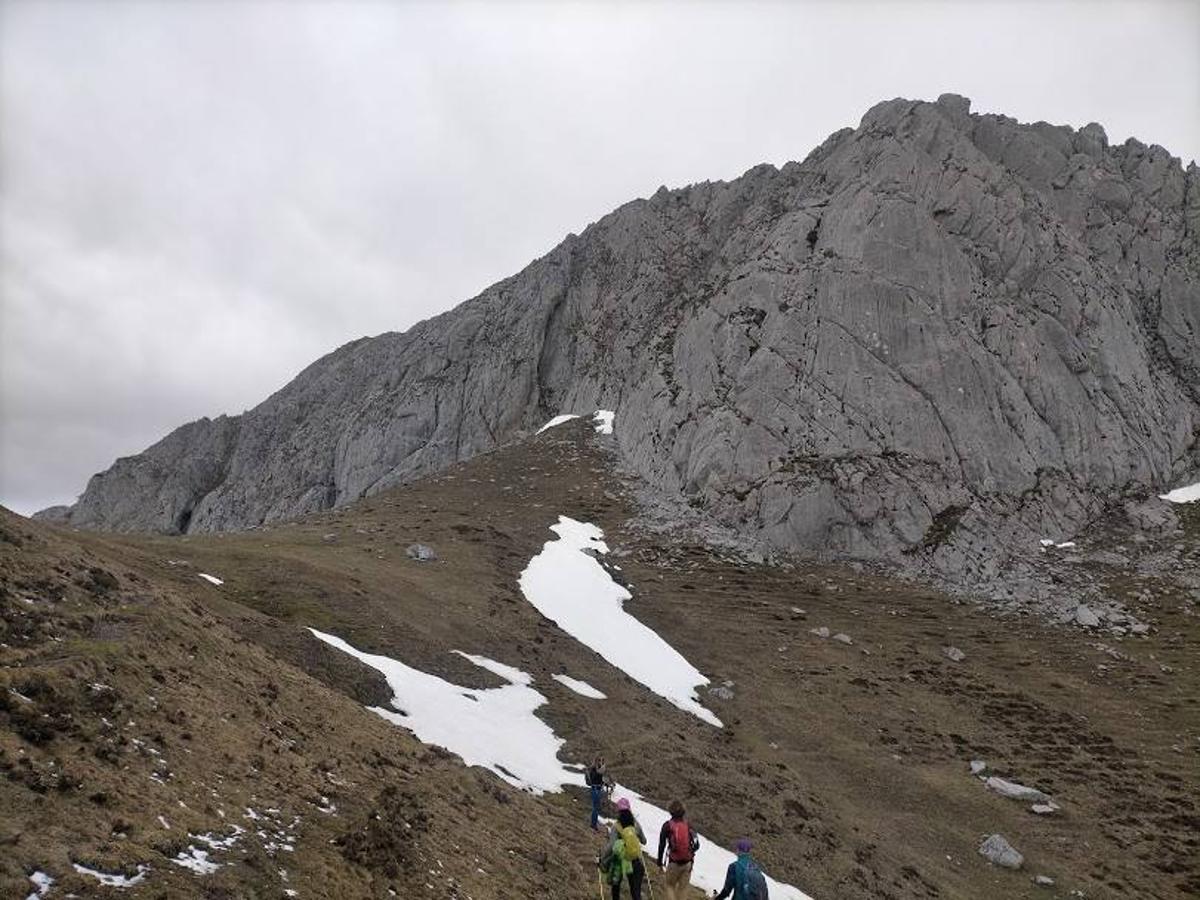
[
  {"x": 681, "y": 844},
  {"x": 625, "y": 852},
  {"x": 743, "y": 879},
  {"x": 596, "y": 779}
]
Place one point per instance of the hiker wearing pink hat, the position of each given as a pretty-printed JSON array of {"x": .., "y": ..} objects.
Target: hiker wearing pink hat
[{"x": 622, "y": 858}]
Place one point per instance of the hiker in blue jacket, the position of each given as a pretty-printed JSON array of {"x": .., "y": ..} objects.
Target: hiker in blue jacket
[{"x": 743, "y": 879}]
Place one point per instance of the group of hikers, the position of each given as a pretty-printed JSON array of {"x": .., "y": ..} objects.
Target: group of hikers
[{"x": 620, "y": 860}]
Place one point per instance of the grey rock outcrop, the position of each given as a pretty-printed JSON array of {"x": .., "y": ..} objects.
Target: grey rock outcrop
[
  {"x": 999, "y": 851},
  {"x": 939, "y": 338}
]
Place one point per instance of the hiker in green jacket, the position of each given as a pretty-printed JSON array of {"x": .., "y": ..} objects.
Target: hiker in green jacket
[{"x": 622, "y": 857}]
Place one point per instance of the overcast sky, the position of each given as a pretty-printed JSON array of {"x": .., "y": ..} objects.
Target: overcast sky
[{"x": 197, "y": 199}]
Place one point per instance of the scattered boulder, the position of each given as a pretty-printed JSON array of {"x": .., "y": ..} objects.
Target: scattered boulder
[
  {"x": 798, "y": 613},
  {"x": 953, "y": 654},
  {"x": 1085, "y": 617},
  {"x": 1045, "y": 809},
  {"x": 842, "y": 638},
  {"x": 1140, "y": 628},
  {"x": 723, "y": 691},
  {"x": 821, "y": 632},
  {"x": 978, "y": 767},
  {"x": 421, "y": 552},
  {"x": 1043, "y": 881},
  {"x": 1000, "y": 852},
  {"x": 329, "y": 538},
  {"x": 1015, "y": 791}
]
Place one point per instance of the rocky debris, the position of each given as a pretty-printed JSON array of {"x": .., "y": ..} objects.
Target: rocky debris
[
  {"x": 1085, "y": 617},
  {"x": 735, "y": 329},
  {"x": 330, "y": 537},
  {"x": 1045, "y": 809},
  {"x": 1015, "y": 791},
  {"x": 1139, "y": 628},
  {"x": 798, "y": 613},
  {"x": 1001, "y": 853},
  {"x": 723, "y": 691},
  {"x": 821, "y": 632},
  {"x": 978, "y": 767},
  {"x": 953, "y": 654},
  {"x": 843, "y": 638},
  {"x": 1043, "y": 881},
  {"x": 421, "y": 552}
]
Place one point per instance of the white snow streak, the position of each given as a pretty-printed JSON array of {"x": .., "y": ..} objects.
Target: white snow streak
[
  {"x": 1189, "y": 494},
  {"x": 111, "y": 880},
  {"x": 556, "y": 421},
  {"x": 602, "y": 418},
  {"x": 212, "y": 579},
  {"x": 582, "y": 688},
  {"x": 573, "y": 590}
]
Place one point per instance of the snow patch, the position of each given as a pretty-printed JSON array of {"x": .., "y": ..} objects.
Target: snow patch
[
  {"x": 602, "y": 418},
  {"x": 569, "y": 587},
  {"x": 197, "y": 860},
  {"x": 1189, "y": 494},
  {"x": 211, "y": 579},
  {"x": 556, "y": 421},
  {"x": 117, "y": 880},
  {"x": 41, "y": 885},
  {"x": 494, "y": 727},
  {"x": 582, "y": 688}
]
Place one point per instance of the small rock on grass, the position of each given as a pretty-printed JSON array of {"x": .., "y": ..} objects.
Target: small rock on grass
[
  {"x": 978, "y": 767},
  {"x": 1000, "y": 852},
  {"x": 1015, "y": 791},
  {"x": 843, "y": 638},
  {"x": 953, "y": 654},
  {"x": 1045, "y": 809},
  {"x": 821, "y": 632},
  {"x": 1043, "y": 881},
  {"x": 421, "y": 552}
]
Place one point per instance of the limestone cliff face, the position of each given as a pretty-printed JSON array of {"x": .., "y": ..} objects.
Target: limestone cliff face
[{"x": 940, "y": 330}]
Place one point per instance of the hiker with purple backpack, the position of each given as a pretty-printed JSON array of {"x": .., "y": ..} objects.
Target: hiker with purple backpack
[{"x": 744, "y": 880}]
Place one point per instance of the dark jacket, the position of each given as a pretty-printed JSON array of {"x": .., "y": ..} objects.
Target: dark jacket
[
  {"x": 731, "y": 878},
  {"x": 664, "y": 836}
]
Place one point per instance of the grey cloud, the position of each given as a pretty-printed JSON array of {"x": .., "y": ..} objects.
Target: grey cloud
[{"x": 197, "y": 199}]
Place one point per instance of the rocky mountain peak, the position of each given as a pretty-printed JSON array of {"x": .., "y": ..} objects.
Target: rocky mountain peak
[{"x": 940, "y": 336}]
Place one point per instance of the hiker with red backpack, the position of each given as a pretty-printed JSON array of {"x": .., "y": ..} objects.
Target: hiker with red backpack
[
  {"x": 744, "y": 880},
  {"x": 680, "y": 843}
]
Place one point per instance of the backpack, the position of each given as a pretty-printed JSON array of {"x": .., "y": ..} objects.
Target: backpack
[
  {"x": 752, "y": 885},
  {"x": 633, "y": 847},
  {"x": 680, "y": 840}
]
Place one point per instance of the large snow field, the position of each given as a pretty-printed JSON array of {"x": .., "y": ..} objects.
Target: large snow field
[
  {"x": 494, "y": 727},
  {"x": 568, "y": 586}
]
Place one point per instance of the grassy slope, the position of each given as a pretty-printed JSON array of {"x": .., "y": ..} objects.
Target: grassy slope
[{"x": 846, "y": 763}]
